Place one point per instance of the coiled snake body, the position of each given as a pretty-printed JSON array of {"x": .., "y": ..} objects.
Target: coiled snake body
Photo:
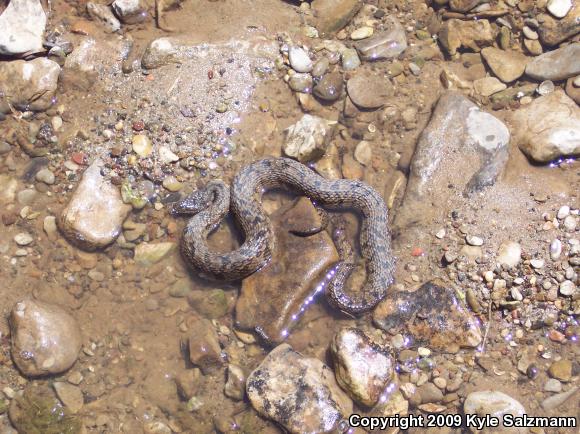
[{"x": 211, "y": 204}]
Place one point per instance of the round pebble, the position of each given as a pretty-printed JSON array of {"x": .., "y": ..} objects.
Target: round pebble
[
  {"x": 362, "y": 33},
  {"x": 537, "y": 263},
  {"x": 142, "y": 145},
  {"x": 45, "y": 176},
  {"x": 570, "y": 223},
  {"x": 23, "y": 239},
  {"x": 363, "y": 153},
  {"x": 567, "y": 288},
  {"x": 555, "y": 249},
  {"x": 330, "y": 87},
  {"x": 546, "y": 87},
  {"x": 301, "y": 83},
  {"x": 563, "y": 212},
  {"x": 553, "y": 385},
  {"x": 473, "y": 240},
  {"x": 530, "y": 34},
  {"x": 299, "y": 59}
]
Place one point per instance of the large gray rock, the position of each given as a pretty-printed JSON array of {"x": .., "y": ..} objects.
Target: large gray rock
[
  {"x": 22, "y": 24},
  {"x": 384, "y": 45},
  {"x": 555, "y": 65},
  {"x": 45, "y": 338},
  {"x": 548, "y": 128},
  {"x": 94, "y": 215},
  {"x": 298, "y": 392},
  {"x": 462, "y": 150},
  {"x": 307, "y": 139},
  {"x": 28, "y": 85}
]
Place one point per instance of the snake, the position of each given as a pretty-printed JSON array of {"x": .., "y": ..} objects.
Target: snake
[{"x": 209, "y": 205}]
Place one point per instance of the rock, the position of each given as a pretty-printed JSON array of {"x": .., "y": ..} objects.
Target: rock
[
  {"x": 463, "y": 5},
  {"x": 553, "y": 385},
  {"x": 530, "y": 34},
  {"x": 160, "y": 52},
  {"x": 559, "y": 8},
  {"x": 573, "y": 90},
  {"x": 94, "y": 215},
  {"x": 495, "y": 404},
  {"x": 458, "y": 136},
  {"x": 553, "y": 31},
  {"x": 142, "y": 145},
  {"x": 298, "y": 392},
  {"x": 130, "y": 11},
  {"x": 561, "y": 370},
  {"x": 557, "y": 400},
  {"x": 363, "y": 153},
  {"x": 320, "y": 67},
  {"x": 212, "y": 303},
  {"x": 488, "y": 86},
  {"x": 533, "y": 47},
  {"x": 46, "y": 176},
  {"x": 473, "y": 35},
  {"x": 308, "y": 138},
  {"x": 350, "y": 59},
  {"x": 556, "y": 65},
  {"x": 94, "y": 58},
  {"x": 330, "y": 87},
  {"x": 26, "y": 196},
  {"x": 71, "y": 396},
  {"x": 204, "y": 347},
  {"x": 429, "y": 393},
  {"x": 23, "y": 239},
  {"x": 363, "y": 368},
  {"x": 362, "y": 33},
  {"x": 548, "y": 128},
  {"x": 147, "y": 254},
  {"x": 22, "y": 24},
  {"x": 104, "y": 15},
  {"x": 50, "y": 228},
  {"x": 28, "y": 85},
  {"x": 333, "y": 15},
  {"x": 506, "y": 65},
  {"x": 441, "y": 321},
  {"x": 299, "y": 59},
  {"x": 166, "y": 156},
  {"x": 510, "y": 254},
  {"x": 235, "y": 387},
  {"x": 300, "y": 82},
  {"x": 273, "y": 299},
  {"x": 369, "y": 91},
  {"x": 45, "y": 338},
  {"x": 37, "y": 410},
  {"x": 383, "y": 45},
  {"x": 567, "y": 288}
]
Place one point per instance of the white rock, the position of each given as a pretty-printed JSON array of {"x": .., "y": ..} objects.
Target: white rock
[
  {"x": 559, "y": 8},
  {"x": 28, "y": 85},
  {"x": 473, "y": 240},
  {"x": 563, "y": 212},
  {"x": 22, "y": 24},
  {"x": 361, "y": 33},
  {"x": 363, "y": 153},
  {"x": 494, "y": 404},
  {"x": 537, "y": 263},
  {"x": 553, "y": 385},
  {"x": 129, "y": 11},
  {"x": 308, "y": 138},
  {"x": 299, "y": 59},
  {"x": 93, "y": 217},
  {"x": 555, "y": 249},
  {"x": 510, "y": 254},
  {"x": 570, "y": 223},
  {"x": 567, "y": 288},
  {"x": 167, "y": 156},
  {"x": 23, "y": 239}
]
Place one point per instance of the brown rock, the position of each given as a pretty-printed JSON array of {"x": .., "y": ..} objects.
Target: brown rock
[
  {"x": 474, "y": 35},
  {"x": 506, "y": 65},
  {"x": 204, "y": 347},
  {"x": 333, "y": 15},
  {"x": 272, "y": 296},
  {"x": 561, "y": 370},
  {"x": 463, "y": 5},
  {"x": 369, "y": 91},
  {"x": 440, "y": 320},
  {"x": 552, "y": 31}
]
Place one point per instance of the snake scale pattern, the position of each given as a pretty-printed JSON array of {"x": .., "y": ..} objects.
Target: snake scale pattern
[{"x": 209, "y": 206}]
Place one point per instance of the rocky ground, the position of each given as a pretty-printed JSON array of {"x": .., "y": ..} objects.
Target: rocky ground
[{"x": 462, "y": 113}]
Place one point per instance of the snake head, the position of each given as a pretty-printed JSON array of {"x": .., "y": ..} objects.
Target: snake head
[{"x": 192, "y": 204}]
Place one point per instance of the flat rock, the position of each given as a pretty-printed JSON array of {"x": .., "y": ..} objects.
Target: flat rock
[
  {"x": 506, "y": 65},
  {"x": 462, "y": 150},
  {"x": 45, "y": 338},
  {"x": 556, "y": 65},
  {"x": 441, "y": 321},
  {"x": 147, "y": 254},
  {"x": 94, "y": 58},
  {"x": 94, "y": 215},
  {"x": 330, "y": 87},
  {"x": 488, "y": 86},
  {"x": 548, "y": 128},
  {"x": 298, "y": 392},
  {"x": 463, "y": 5},
  {"x": 369, "y": 91},
  {"x": 363, "y": 367},
  {"x": 472, "y": 35},
  {"x": 130, "y": 11},
  {"x": 274, "y": 297},
  {"x": 333, "y": 15},
  {"x": 28, "y": 85},
  {"x": 387, "y": 44},
  {"x": 553, "y": 30},
  {"x": 22, "y": 23},
  {"x": 308, "y": 138},
  {"x": 495, "y": 404}
]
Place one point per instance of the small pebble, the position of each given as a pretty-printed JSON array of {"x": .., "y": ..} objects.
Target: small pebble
[
  {"x": 361, "y": 33},
  {"x": 553, "y": 385},
  {"x": 440, "y": 233},
  {"x": 45, "y": 176},
  {"x": 473, "y": 240},
  {"x": 555, "y": 249},
  {"x": 570, "y": 223},
  {"x": 142, "y": 145},
  {"x": 299, "y": 59},
  {"x": 23, "y": 239},
  {"x": 563, "y": 212},
  {"x": 567, "y": 288},
  {"x": 537, "y": 263},
  {"x": 530, "y": 34}
]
